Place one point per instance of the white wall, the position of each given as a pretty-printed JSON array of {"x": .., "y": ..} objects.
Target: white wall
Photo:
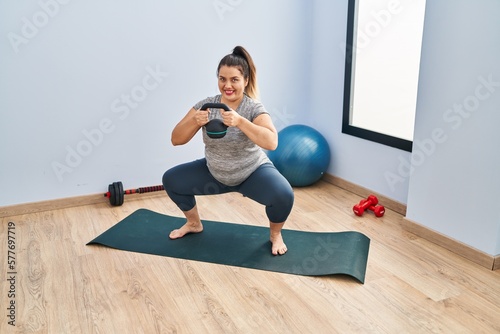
[
  {"x": 68, "y": 66},
  {"x": 454, "y": 188}
]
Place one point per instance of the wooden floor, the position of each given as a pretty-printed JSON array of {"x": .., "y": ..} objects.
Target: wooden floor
[{"x": 63, "y": 286}]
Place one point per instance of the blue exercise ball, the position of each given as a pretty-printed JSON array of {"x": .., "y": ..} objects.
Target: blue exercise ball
[{"x": 302, "y": 155}]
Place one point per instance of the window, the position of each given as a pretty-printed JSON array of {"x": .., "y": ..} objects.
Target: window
[{"x": 383, "y": 45}]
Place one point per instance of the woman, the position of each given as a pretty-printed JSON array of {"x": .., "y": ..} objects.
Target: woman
[{"x": 236, "y": 162}]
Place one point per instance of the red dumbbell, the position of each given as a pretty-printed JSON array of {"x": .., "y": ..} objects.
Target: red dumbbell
[{"x": 369, "y": 204}]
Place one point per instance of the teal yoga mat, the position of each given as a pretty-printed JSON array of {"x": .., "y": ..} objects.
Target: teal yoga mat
[{"x": 309, "y": 253}]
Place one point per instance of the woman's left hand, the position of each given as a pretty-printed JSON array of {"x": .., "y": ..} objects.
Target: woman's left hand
[{"x": 230, "y": 118}]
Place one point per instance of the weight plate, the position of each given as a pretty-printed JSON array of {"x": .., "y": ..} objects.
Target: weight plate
[
  {"x": 111, "y": 190},
  {"x": 117, "y": 194},
  {"x": 121, "y": 194}
]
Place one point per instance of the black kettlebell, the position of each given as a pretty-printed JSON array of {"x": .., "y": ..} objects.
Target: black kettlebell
[{"x": 215, "y": 128}]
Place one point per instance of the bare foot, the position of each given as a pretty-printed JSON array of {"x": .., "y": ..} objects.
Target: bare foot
[
  {"x": 278, "y": 247},
  {"x": 187, "y": 228}
]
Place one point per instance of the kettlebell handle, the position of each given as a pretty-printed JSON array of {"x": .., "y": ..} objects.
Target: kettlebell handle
[
  {"x": 215, "y": 128},
  {"x": 215, "y": 106}
]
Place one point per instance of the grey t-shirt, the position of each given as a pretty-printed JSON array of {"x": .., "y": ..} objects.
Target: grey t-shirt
[{"x": 234, "y": 157}]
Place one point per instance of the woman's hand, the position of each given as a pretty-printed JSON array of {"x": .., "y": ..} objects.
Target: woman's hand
[
  {"x": 201, "y": 117},
  {"x": 189, "y": 125},
  {"x": 231, "y": 117}
]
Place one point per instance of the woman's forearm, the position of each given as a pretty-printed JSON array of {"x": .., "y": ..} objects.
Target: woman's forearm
[
  {"x": 185, "y": 130},
  {"x": 260, "y": 132}
]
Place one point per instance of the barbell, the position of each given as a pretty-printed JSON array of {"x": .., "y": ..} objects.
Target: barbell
[{"x": 116, "y": 194}]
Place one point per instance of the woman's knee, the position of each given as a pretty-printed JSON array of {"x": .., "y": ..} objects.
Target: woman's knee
[
  {"x": 281, "y": 204},
  {"x": 284, "y": 198},
  {"x": 169, "y": 178},
  {"x": 176, "y": 176}
]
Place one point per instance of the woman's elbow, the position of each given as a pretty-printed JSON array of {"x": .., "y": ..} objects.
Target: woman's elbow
[
  {"x": 271, "y": 145},
  {"x": 176, "y": 141}
]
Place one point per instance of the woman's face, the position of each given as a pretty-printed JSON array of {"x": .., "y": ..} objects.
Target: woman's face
[{"x": 231, "y": 83}]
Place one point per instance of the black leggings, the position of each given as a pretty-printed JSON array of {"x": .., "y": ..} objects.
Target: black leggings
[{"x": 266, "y": 186}]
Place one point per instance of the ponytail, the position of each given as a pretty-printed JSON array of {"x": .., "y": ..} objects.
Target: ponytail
[{"x": 241, "y": 59}]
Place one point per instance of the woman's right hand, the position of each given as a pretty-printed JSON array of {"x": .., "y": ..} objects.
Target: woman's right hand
[
  {"x": 201, "y": 117},
  {"x": 189, "y": 125}
]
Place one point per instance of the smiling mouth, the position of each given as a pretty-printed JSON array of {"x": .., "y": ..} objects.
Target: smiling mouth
[{"x": 229, "y": 92}]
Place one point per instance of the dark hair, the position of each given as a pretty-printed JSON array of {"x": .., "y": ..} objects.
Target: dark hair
[{"x": 241, "y": 59}]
